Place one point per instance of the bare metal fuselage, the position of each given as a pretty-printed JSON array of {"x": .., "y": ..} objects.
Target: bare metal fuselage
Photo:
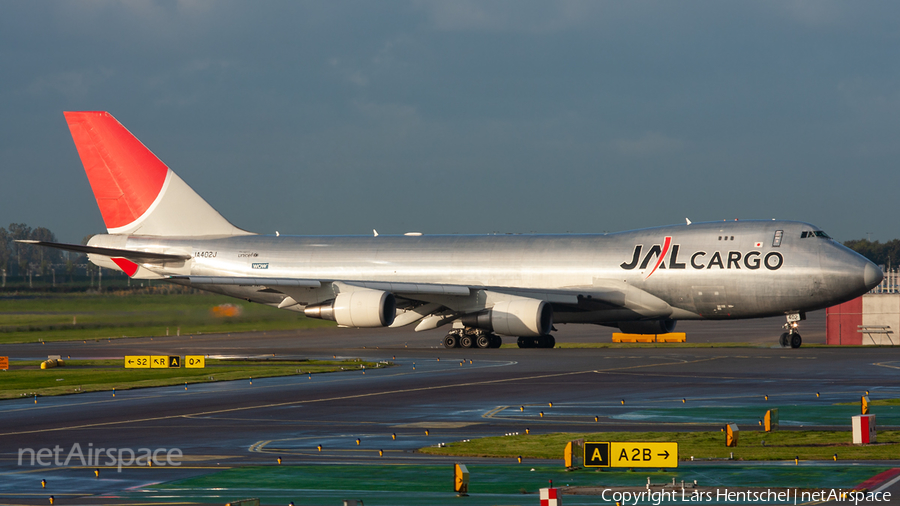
[{"x": 707, "y": 270}]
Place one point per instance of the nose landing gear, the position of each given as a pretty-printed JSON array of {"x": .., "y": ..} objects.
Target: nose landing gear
[{"x": 792, "y": 336}]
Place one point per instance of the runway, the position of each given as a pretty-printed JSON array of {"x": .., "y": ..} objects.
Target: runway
[{"x": 454, "y": 394}]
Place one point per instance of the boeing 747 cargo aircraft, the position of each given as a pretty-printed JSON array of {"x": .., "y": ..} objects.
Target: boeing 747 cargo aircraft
[{"x": 480, "y": 287}]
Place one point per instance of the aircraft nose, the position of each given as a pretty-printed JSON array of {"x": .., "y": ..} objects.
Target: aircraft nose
[{"x": 872, "y": 275}]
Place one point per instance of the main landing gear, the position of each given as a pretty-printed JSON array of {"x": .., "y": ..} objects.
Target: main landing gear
[
  {"x": 792, "y": 336},
  {"x": 471, "y": 338}
]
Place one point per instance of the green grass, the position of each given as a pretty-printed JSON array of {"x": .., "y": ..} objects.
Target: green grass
[
  {"x": 26, "y": 379},
  {"x": 70, "y": 317},
  {"x": 877, "y": 402},
  {"x": 489, "y": 483},
  {"x": 780, "y": 445}
]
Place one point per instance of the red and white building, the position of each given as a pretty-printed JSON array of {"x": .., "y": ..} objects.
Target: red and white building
[{"x": 873, "y": 319}]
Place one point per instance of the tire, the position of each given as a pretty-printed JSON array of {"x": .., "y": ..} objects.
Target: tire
[
  {"x": 550, "y": 341},
  {"x": 496, "y": 341},
  {"x": 451, "y": 341},
  {"x": 525, "y": 342},
  {"x": 784, "y": 340},
  {"x": 483, "y": 341},
  {"x": 796, "y": 341},
  {"x": 466, "y": 342}
]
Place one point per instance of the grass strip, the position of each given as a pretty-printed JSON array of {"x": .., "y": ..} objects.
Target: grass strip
[
  {"x": 72, "y": 317},
  {"x": 779, "y": 445},
  {"x": 876, "y": 402},
  {"x": 26, "y": 379}
]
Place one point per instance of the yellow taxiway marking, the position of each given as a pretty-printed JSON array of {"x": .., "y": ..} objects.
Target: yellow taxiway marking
[
  {"x": 435, "y": 425},
  {"x": 341, "y": 398},
  {"x": 258, "y": 446},
  {"x": 491, "y": 413},
  {"x": 885, "y": 364}
]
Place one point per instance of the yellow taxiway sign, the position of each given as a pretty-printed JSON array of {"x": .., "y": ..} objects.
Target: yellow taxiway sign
[
  {"x": 194, "y": 361},
  {"x": 137, "y": 362},
  {"x": 630, "y": 454}
]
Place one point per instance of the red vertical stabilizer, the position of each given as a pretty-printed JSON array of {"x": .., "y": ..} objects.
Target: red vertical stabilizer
[
  {"x": 125, "y": 176},
  {"x": 136, "y": 192}
]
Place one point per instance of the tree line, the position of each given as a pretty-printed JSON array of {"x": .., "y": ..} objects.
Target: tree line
[
  {"x": 18, "y": 259},
  {"x": 880, "y": 253}
]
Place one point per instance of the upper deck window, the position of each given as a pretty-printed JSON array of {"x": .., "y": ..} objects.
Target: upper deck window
[{"x": 776, "y": 242}]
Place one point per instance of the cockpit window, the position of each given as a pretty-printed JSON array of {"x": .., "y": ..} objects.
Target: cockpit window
[
  {"x": 814, "y": 233},
  {"x": 819, "y": 233}
]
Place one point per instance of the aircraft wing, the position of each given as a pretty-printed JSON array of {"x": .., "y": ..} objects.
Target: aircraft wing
[
  {"x": 442, "y": 302},
  {"x": 275, "y": 283}
]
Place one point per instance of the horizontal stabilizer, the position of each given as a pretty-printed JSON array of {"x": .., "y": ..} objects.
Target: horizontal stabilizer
[{"x": 137, "y": 256}]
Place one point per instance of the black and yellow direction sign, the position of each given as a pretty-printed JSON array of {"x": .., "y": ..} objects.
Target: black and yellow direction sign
[
  {"x": 174, "y": 362},
  {"x": 194, "y": 361},
  {"x": 137, "y": 362},
  {"x": 630, "y": 454},
  {"x": 596, "y": 454}
]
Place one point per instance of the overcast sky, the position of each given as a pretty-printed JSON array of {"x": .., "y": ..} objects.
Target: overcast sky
[{"x": 466, "y": 117}]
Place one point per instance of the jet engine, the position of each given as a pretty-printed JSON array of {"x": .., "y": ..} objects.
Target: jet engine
[
  {"x": 517, "y": 317},
  {"x": 359, "y": 308},
  {"x": 648, "y": 327}
]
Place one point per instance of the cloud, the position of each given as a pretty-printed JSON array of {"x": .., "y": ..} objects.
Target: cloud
[
  {"x": 650, "y": 143},
  {"x": 70, "y": 84},
  {"x": 348, "y": 73},
  {"x": 506, "y": 15}
]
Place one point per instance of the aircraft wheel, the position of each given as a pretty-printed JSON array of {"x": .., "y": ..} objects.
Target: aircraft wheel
[
  {"x": 796, "y": 341},
  {"x": 525, "y": 342},
  {"x": 784, "y": 340},
  {"x": 451, "y": 341},
  {"x": 549, "y": 341},
  {"x": 496, "y": 341},
  {"x": 466, "y": 342},
  {"x": 483, "y": 341}
]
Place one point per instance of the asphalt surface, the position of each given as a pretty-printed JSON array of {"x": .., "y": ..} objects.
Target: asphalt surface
[{"x": 454, "y": 394}]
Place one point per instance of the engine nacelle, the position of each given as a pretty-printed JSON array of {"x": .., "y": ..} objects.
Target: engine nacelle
[
  {"x": 517, "y": 317},
  {"x": 648, "y": 327},
  {"x": 359, "y": 308}
]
